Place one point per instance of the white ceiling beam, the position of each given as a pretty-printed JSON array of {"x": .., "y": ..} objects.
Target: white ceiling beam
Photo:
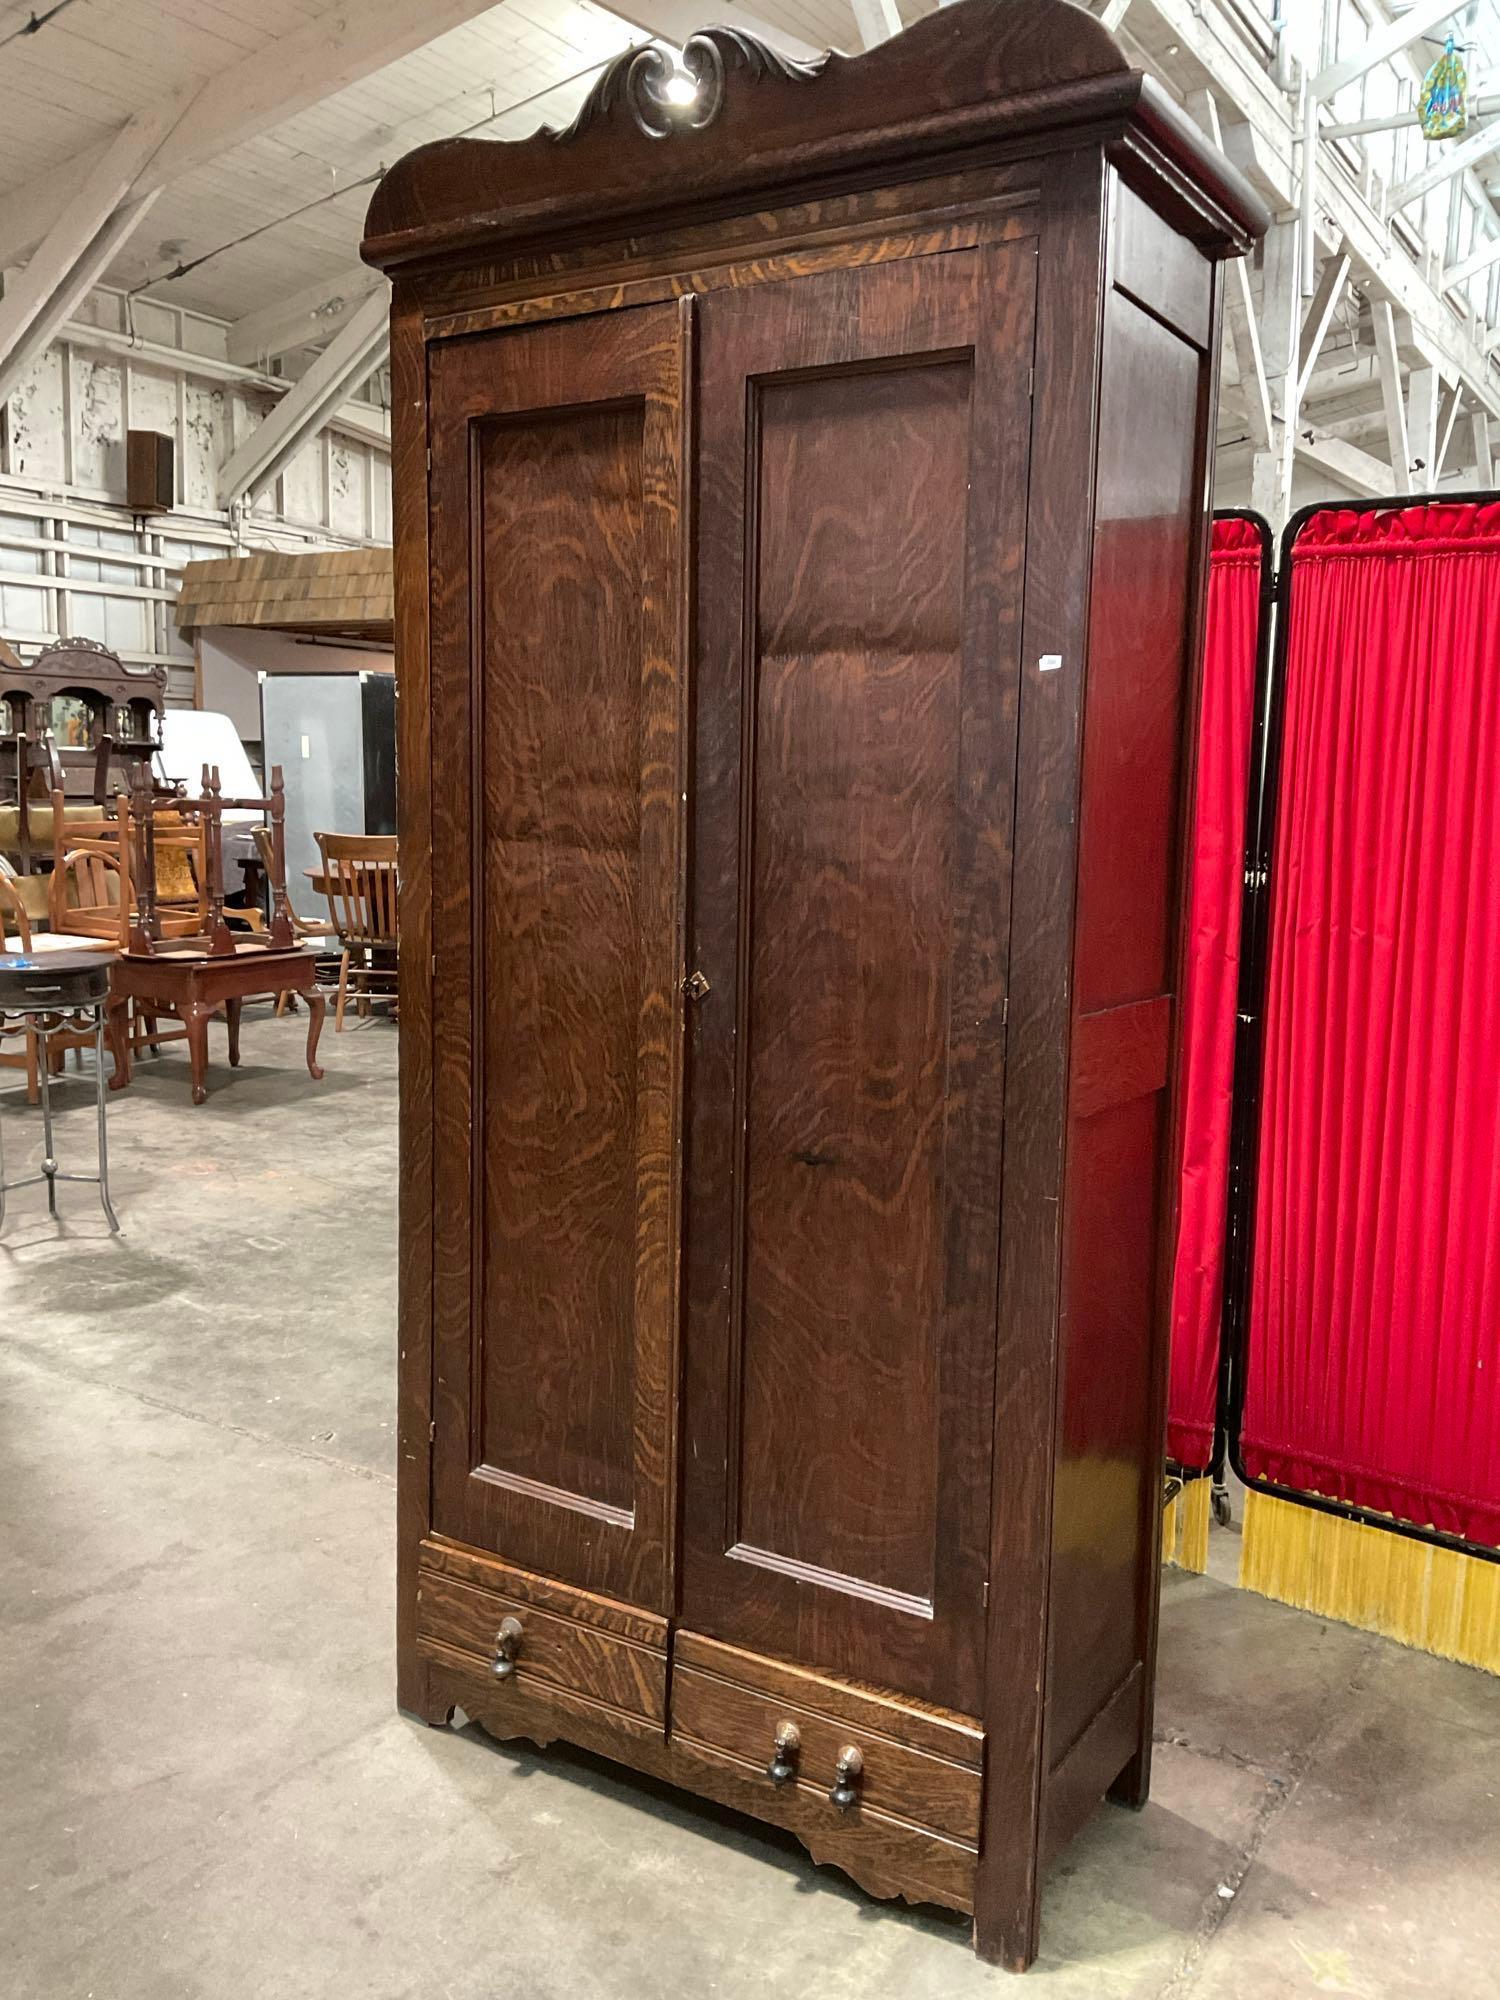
[
  {"x": 72, "y": 290},
  {"x": 1354, "y": 468},
  {"x": 76, "y": 225},
  {"x": 1484, "y": 472},
  {"x": 1423, "y": 396},
  {"x": 1239, "y": 316},
  {"x": 1453, "y": 398},
  {"x": 249, "y": 97},
  {"x": 877, "y": 21},
  {"x": 1477, "y": 261},
  {"x": 1388, "y": 352},
  {"x": 1263, "y": 146},
  {"x": 1319, "y": 317},
  {"x": 1230, "y": 375},
  {"x": 1382, "y": 45},
  {"x": 304, "y": 318},
  {"x": 349, "y": 360},
  {"x": 1240, "y": 321},
  {"x": 1345, "y": 373},
  {"x": 1367, "y": 430},
  {"x": 1478, "y": 146},
  {"x": 85, "y": 234},
  {"x": 1479, "y": 106},
  {"x": 1114, "y": 14}
]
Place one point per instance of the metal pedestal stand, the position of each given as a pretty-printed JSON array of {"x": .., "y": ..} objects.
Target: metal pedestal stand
[{"x": 46, "y": 991}]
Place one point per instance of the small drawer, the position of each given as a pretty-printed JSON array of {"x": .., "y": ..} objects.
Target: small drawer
[
  {"x": 893, "y": 1779},
  {"x": 530, "y": 1639}
]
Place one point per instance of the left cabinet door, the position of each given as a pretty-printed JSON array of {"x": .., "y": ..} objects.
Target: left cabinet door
[{"x": 557, "y": 728}]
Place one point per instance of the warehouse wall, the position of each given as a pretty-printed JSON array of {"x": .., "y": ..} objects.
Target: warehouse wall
[{"x": 74, "y": 562}]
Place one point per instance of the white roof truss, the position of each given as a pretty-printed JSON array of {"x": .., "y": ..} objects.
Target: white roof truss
[
  {"x": 306, "y": 317},
  {"x": 349, "y": 360},
  {"x": 271, "y": 84}
]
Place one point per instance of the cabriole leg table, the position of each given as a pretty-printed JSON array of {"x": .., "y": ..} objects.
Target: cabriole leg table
[{"x": 193, "y": 985}]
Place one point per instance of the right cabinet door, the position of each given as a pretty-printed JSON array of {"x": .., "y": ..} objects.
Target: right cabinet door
[{"x": 862, "y": 450}]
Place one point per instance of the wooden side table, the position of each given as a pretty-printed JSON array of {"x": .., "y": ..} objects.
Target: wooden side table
[
  {"x": 193, "y": 985},
  {"x": 47, "y": 992}
]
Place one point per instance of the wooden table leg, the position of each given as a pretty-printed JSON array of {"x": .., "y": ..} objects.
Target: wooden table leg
[
  {"x": 232, "y": 1009},
  {"x": 119, "y": 1041},
  {"x": 195, "y": 1015},
  {"x": 317, "y": 1007}
]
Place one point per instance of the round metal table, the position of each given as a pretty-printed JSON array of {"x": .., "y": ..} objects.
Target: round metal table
[{"x": 45, "y": 991}]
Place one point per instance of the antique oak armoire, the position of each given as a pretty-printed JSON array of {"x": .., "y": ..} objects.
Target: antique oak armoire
[{"x": 802, "y": 498}]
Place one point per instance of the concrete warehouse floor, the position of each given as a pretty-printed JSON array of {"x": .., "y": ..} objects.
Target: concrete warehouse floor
[{"x": 206, "y": 1791}]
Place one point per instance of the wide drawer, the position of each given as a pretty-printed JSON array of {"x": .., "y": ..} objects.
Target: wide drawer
[
  {"x": 535, "y": 1634},
  {"x": 734, "y": 1702}
]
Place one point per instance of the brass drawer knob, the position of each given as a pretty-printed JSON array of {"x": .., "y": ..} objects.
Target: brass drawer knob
[
  {"x": 847, "y": 1774},
  {"x": 507, "y": 1646},
  {"x": 783, "y": 1766}
]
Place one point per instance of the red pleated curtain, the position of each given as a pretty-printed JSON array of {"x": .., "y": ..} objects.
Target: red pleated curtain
[
  {"x": 1211, "y": 981},
  {"x": 1373, "y": 1361}
]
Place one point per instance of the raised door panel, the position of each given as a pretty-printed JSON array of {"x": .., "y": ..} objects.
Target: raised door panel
[
  {"x": 557, "y": 697},
  {"x": 862, "y": 470}
]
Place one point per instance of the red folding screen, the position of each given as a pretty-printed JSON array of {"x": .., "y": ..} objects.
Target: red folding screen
[
  {"x": 1211, "y": 978},
  {"x": 1372, "y": 1360}
]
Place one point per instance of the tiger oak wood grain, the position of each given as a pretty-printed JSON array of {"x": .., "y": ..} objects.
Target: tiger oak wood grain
[
  {"x": 556, "y": 1651},
  {"x": 585, "y": 1607},
  {"x": 559, "y": 684},
  {"x": 876, "y": 225},
  {"x": 799, "y": 1346},
  {"x": 885, "y": 1856},
  {"x": 957, "y": 1738},
  {"x": 896, "y": 1780},
  {"x": 852, "y": 833}
]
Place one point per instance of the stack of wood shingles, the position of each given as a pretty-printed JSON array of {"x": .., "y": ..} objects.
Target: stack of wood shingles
[{"x": 331, "y": 591}]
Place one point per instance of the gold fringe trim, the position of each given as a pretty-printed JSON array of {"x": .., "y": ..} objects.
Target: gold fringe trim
[
  {"x": 1437, "y": 1600},
  {"x": 1184, "y": 1527}
]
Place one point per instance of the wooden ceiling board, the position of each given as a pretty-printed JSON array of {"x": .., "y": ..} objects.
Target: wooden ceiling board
[
  {"x": 325, "y": 154},
  {"x": 77, "y": 80}
]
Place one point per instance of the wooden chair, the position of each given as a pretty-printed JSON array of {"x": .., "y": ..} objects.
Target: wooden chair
[
  {"x": 91, "y": 891},
  {"x": 90, "y": 888},
  {"x": 88, "y": 899},
  {"x": 311, "y": 933},
  {"x": 13, "y": 911},
  {"x": 359, "y": 880},
  {"x": 194, "y": 976},
  {"x": 23, "y": 938}
]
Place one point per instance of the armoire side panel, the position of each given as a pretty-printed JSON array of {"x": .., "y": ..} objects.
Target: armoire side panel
[
  {"x": 1149, "y": 513},
  {"x": 556, "y": 746}
]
